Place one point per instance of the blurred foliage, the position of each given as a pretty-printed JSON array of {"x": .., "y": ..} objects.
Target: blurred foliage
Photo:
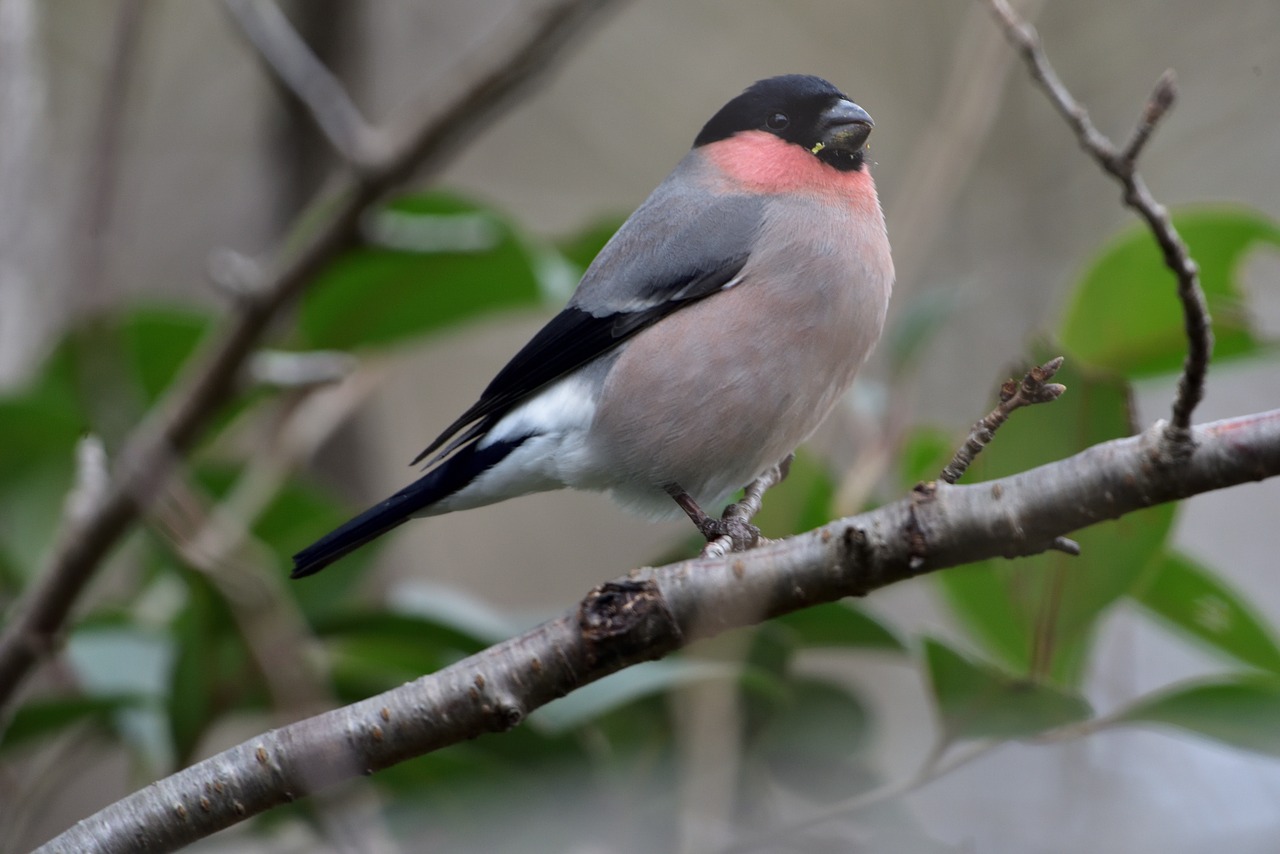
[
  {"x": 976, "y": 701},
  {"x": 1040, "y": 614},
  {"x": 164, "y": 659},
  {"x": 1122, "y": 317},
  {"x": 439, "y": 261},
  {"x": 1240, "y": 710}
]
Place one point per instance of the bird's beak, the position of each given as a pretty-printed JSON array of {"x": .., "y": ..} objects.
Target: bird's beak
[{"x": 845, "y": 127}]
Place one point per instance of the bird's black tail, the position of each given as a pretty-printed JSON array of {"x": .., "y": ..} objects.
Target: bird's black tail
[{"x": 442, "y": 481}]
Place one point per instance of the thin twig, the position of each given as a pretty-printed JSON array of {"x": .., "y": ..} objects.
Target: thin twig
[
  {"x": 298, "y": 71},
  {"x": 931, "y": 769},
  {"x": 1121, "y": 164},
  {"x": 1160, "y": 102},
  {"x": 654, "y": 611},
  {"x": 1066, "y": 545},
  {"x": 1034, "y": 388},
  {"x": 171, "y": 429}
]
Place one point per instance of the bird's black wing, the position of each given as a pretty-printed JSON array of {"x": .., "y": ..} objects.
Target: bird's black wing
[
  {"x": 673, "y": 251},
  {"x": 570, "y": 340}
]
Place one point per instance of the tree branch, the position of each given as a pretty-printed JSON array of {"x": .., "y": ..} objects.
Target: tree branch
[
  {"x": 653, "y": 612},
  {"x": 1121, "y": 163},
  {"x": 210, "y": 381},
  {"x": 301, "y": 73}
]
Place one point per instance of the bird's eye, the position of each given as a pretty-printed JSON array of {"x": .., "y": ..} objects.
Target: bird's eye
[{"x": 777, "y": 121}]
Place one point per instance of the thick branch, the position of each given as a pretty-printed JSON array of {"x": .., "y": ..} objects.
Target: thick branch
[
  {"x": 1121, "y": 163},
  {"x": 170, "y": 430},
  {"x": 653, "y": 612}
]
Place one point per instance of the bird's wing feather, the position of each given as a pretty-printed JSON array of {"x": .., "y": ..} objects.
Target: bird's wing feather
[{"x": 674, "y": 250}]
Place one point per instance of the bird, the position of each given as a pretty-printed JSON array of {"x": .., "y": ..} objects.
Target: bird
[{"x": 711, "y": 335}]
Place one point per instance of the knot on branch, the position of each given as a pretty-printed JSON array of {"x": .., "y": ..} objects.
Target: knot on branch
[
  {"x": 1173, "y": 445},
  {"x": 620, "y": 620},
  {"x": 505, "y": 716},
  {"x": 917, "y": 542}
]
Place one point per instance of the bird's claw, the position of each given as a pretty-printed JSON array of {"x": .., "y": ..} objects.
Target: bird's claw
[{"x": 742, "y": 535}]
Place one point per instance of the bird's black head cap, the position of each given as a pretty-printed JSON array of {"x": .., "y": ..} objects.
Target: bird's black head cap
[{"x": 793, "y": 107}]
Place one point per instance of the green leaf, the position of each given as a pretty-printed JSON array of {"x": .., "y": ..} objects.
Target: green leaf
[
  {"x": 31, "y": 512},
  {"x": 915, "y": 326},
  {"x": 213, "y": 672},
  {"x": 373, "y": 651},
  {"x": 11, "y": 577},
  {"x": 1197, "y": 602},
  {"x": 124, "y": 659},
  {"x": 978, "y": 701},
  {"x": 838, "y": 624},
  {"x": 813, "y": 742},
  {"x": 160, "y": 339},
  {"x": 297, "y": 517},
  {"x": 626, "y": 686},
  {"x": 443, "y": 260},
  {"x": 925, "y": 453},
  {"x": 454, "y": 609},
  {"x": 42, "y": 718},
  {"x": 1038, "y": 614},
  {"x": 1242, "y": 711},
  {"x": 1125, "y": 315},
  {"x": 40, "y": 426}
]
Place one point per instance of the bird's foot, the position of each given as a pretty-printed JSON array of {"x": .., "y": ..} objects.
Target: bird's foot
[
  {"x": 730, "y": 533},
  {"x": 740, "y": 533}
]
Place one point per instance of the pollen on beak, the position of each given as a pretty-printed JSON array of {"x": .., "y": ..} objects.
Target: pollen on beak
[{"x": 845, "y": 126}]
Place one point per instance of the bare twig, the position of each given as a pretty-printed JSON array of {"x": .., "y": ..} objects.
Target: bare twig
[
  {"x": 932, "y": 769},
  {"x": 173, "y": 427},
  {"x": 1160, "y": 102},
  {"x": 652, "y": 612},
  {"x": 1034, "y": 388},
  {"x": 300, "y": 72},
  {"x": 1121, "y": 164},
  {"x": 1066, "y": 546}
]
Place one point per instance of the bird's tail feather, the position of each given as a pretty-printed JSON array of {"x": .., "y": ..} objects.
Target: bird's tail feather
[{"x": 439, "y": 483}]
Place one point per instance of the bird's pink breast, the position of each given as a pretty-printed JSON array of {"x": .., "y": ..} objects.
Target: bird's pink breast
[{"x": 766, "y": 164}]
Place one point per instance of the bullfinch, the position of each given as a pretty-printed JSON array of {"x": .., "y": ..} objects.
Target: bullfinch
[{"x": 711, "y": 336}]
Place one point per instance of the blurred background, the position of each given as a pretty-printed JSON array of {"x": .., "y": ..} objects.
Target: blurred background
[{"x": 140, "y": 140}]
